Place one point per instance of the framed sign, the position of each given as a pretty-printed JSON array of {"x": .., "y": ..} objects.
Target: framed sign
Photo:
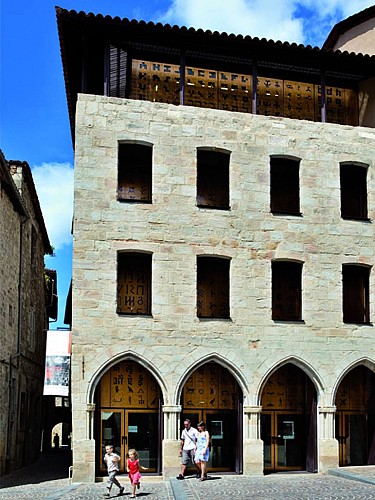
[{"x": 217, "y": 429}]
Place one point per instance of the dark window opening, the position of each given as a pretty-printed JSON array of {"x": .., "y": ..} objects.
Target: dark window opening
[
  {"x": 285, "y": 197},
  {"x": 133, "y": 283},
  {"x": 286, "y": 291},
  {"x": 356, "y": 301},
  {"x": 134, "y": 173},
  {"x": 212, "y": 179},
  {"x": 353, "y": 192},
  {"x": 212, "y": 287}
]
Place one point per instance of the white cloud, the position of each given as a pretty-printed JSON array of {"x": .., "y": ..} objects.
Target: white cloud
[
  {"x": 301, "y": 21},
  {"x": 54, "y": 185}
]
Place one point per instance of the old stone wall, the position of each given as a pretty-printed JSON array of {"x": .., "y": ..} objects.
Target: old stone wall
[
  {"x": 22, "y": 328},
  {"x": 175, "y": 231}
]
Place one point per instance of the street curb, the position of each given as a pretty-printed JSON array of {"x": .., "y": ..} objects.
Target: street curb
[
  {"x": 178, "y": 490},
  {"x": 349, "y": 475}
]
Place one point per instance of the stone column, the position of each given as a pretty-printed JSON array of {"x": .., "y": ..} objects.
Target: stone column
[
  {"x": 84, "y": 451},
  {"x": 328, "y": 445},
  {"x": 252, "y": 444},
  {"x": 171, "y": 442}
]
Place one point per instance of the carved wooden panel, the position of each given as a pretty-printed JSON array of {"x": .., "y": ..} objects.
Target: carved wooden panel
[
  {"x": 354, "y": 391},
  {"x": 298, "y": 100},
  {"x": 213, "y": 288},
  {"x": 232, "y": 91},
  {"x": 134, "y": 284},
  {"x": 287, "y": 389},
  {"x": 235, "y": 91},
  {"x": 270, "y": 97},
  {"x": 211, "y": 386},
  {"x": 341, "y": 105},
  {"x": 129, "y": 385},
  {"x": 156, "y": 82}
]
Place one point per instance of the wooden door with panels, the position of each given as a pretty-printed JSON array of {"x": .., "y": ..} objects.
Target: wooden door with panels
[
  {"x": 288, "y": 421},
  {"x": 355, "y": 418},
  {"x": 128, "y": 416}
]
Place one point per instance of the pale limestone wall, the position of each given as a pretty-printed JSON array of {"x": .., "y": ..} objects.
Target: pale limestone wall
[
  {"x": 359, "y": 39},
  {"x": 174, "y": 341}
]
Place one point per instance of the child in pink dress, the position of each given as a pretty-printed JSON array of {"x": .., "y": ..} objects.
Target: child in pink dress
[{"x": 133, "y": 466}]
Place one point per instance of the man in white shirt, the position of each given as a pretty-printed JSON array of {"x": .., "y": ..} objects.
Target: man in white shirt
[{"x": 189, "y": 437}]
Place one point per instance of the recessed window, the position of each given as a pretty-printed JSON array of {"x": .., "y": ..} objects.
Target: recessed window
[
  {"x": 212, "y": 287},
  {"x": 212, "y": 179},
  {"x": 356, "y": 303},
  {"x": 134, "y": 173},
  {"x": 286, "y": 291},
  {"x": 134, "y": 283},
  {"x": 285, "y": 186},
  {"x": 353, "y": 192}
]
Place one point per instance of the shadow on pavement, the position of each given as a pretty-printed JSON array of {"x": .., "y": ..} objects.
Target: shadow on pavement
[{"x": 51, "y": 465}]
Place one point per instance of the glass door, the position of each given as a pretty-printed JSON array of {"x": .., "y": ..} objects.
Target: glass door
[
  {"x": 222, "y": 427},
  {"x": 283, "y": 435},
  {"x": 111, "y": 432},
  {"x": 352, "y": 437},
  {"x": 141, "y": 433}
]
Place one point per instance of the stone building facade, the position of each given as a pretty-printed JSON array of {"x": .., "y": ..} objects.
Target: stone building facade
[
  {"x": 24, "y": 318},
  {"x": 222, "y": 269}
]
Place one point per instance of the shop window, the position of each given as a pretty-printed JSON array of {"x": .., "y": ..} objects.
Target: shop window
[
  {"x": 212, "y": 287},
  {"x": 134, "y": 173},
  {"x": 213, "y": 179},
  {"x": 285, "y": 198},
  {"x": 353, "y": 191},
  {"x": 286, "y": 291},
  {"x": 356, "y": 302},
  {"x": 134, "y": 283}
]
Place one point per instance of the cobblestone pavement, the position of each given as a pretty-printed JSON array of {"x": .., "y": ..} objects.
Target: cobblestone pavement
[{"x": 48, "y": 479}]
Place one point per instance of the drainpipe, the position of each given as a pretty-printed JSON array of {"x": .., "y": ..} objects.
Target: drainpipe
[{"x": 15, "y": 357}]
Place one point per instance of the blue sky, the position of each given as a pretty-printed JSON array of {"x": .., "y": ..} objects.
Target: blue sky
[{"x": 34, "y": 123}]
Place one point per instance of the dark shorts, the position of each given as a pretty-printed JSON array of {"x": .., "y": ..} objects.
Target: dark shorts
[{"x": 187, "y": 456}]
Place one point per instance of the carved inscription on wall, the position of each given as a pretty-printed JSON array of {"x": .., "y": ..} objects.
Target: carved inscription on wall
[
  {"x": 129, "y": 385},
  {"x": 211, "y": 386}
]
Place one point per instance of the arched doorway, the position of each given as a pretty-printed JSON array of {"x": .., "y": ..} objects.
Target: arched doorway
[
  {"x": 212, "y": 394},
  {"x": 355, "y": 417},
  {"x": 288, "y": 423},
  {"x": 128, "y": 401}
]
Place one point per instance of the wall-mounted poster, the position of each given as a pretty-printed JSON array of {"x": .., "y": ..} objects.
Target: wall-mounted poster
[{"x": 57, "y": 366}]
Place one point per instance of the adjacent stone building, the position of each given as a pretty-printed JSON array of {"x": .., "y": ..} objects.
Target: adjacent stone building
[
  {"x": 223, "y": 247},
  {"x": 23, "y": 315}
]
